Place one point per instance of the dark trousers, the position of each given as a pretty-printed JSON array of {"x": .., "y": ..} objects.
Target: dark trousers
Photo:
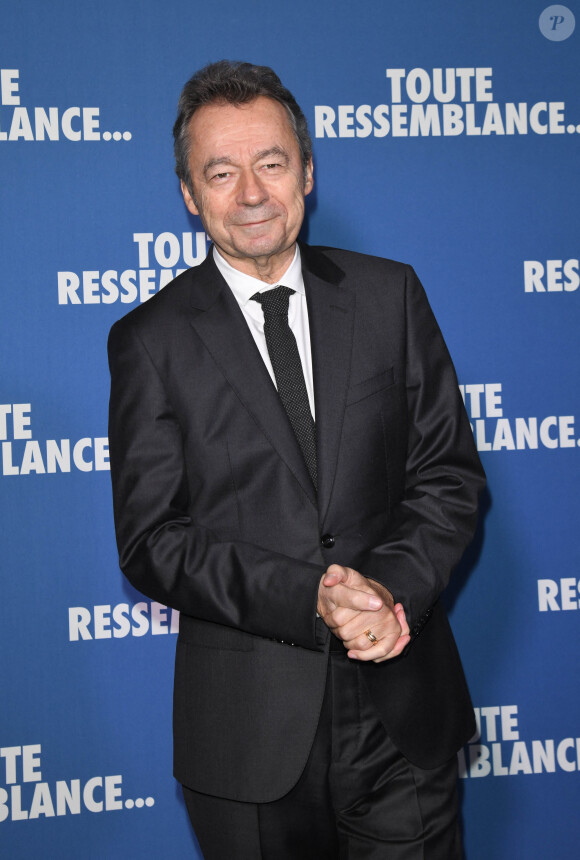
[{"x": 357, "y": 799}]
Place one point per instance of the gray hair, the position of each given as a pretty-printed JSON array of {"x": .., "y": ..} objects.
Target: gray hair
[{"x": 234, "y": 83}]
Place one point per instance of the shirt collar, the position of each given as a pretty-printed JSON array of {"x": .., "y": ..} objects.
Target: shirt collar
[{"x": 245, "y": 286}]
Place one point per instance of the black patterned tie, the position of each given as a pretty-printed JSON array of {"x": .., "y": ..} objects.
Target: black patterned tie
[{"x": 288, "y": 372}]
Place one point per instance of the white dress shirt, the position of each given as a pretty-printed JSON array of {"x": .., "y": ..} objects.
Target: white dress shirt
[{"x": 245, "y": 286}]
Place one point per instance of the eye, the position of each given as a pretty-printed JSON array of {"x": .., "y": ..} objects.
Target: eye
[
  {"x": 220, "y": 176},
  {"x": 272, "y": 167}
]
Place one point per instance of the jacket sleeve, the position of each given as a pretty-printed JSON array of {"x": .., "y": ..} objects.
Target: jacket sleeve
[
  {"x": 166, "y": 555},
  {"x": 436, "y": 517}
]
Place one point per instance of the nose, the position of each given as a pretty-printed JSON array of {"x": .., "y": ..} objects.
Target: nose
[{"x": 251, "y": 191}]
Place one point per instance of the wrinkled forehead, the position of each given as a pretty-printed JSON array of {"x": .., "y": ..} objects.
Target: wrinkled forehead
[{"x": 221, "y": 128}]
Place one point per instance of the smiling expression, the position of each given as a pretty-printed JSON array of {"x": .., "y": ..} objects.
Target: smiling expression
[{"x": 248, "y": 183}]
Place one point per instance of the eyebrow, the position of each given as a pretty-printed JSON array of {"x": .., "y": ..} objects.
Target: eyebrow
[
  {"x": 257, "y": 156},
  {"x": 274, "y": 150}
]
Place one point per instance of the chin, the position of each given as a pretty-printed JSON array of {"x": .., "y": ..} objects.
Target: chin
[{"x": 263, "y": 248}]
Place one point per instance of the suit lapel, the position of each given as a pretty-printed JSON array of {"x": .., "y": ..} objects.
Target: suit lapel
[
  {"x": 219, "y": 322},
  {"x": 331, "y": 319}
]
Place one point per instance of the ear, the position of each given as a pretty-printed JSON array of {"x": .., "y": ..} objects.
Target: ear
[
  {"x": 189, "y": 201},
  {"x": 308, "y": 178}
]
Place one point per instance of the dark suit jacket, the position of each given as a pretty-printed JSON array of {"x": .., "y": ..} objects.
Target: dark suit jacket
[{"x": 216, "y": 515}]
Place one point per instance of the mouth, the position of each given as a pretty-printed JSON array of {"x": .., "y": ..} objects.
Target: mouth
[{"x": 257, "y": 221}]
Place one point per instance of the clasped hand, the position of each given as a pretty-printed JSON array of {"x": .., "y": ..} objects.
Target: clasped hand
[{"x": 350, "y": 604}]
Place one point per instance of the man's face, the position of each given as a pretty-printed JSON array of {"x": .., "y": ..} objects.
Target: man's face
[{"x": 248, "y": 183}]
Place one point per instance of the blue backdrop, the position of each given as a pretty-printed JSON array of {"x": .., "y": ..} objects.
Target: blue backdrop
[{"x": 446, "y": 135}]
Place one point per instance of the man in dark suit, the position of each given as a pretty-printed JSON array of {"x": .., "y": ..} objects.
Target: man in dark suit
[{"x": 293, "y": 470}]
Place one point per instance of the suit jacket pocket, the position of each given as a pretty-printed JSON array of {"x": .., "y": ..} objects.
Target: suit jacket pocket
[
  {"x": 370, "y": 386},
  {"x": 205, "y": 634}
]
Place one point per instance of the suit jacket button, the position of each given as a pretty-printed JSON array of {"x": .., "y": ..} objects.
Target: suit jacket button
[{"x": 327, "y": 541}]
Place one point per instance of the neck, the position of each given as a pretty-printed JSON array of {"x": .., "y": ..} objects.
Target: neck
[{"x": 267, "y": 269}]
